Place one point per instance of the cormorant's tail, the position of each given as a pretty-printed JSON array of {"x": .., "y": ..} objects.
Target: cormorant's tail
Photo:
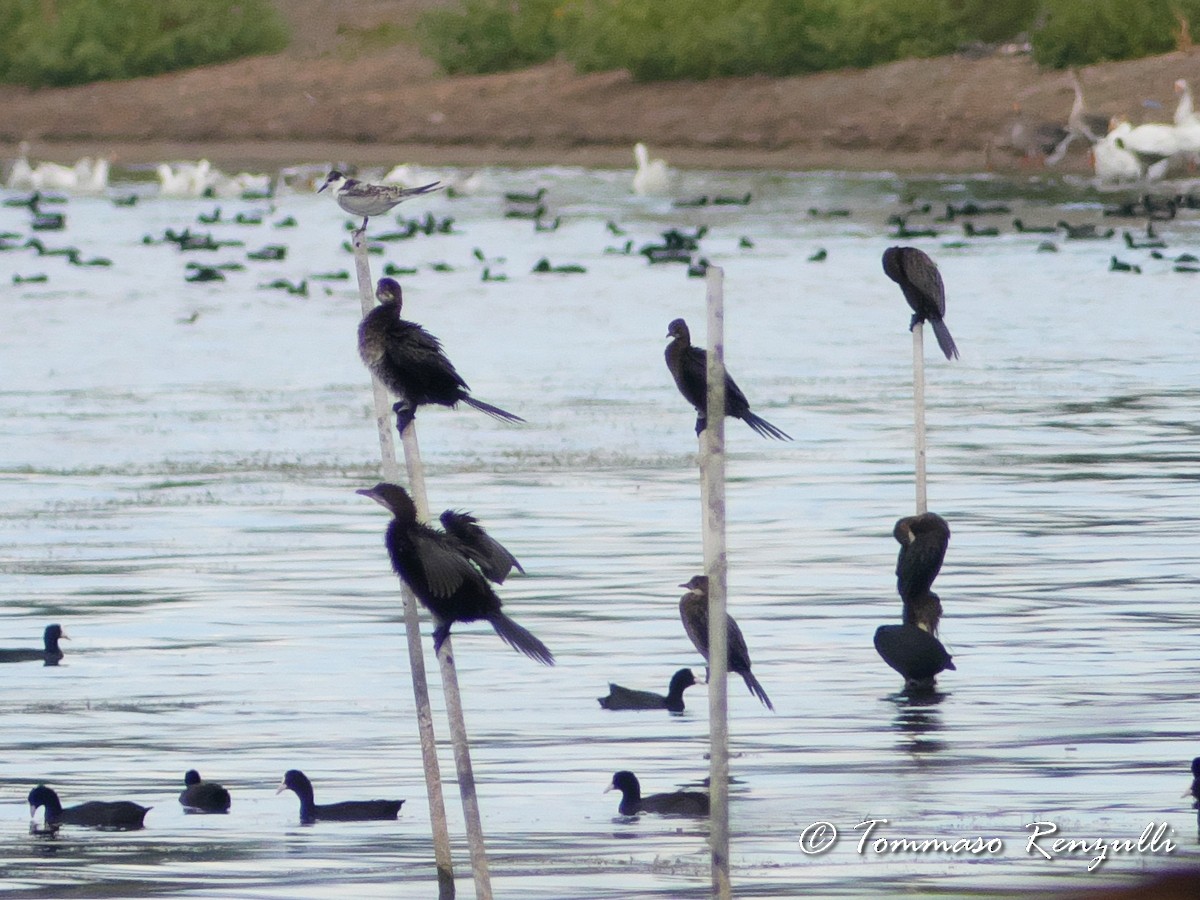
[
  {"x": 494, "y": 411},
  {"x": 942, "y": 333},
  {"x": 757, "y": 690},
  {"x": 521, "y": 639},
  {"x": 765, "y": 428}
]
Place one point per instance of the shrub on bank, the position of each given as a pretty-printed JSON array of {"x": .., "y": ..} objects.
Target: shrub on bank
[
  {"x": 64, "y": 42},
  {"x": 1074, "y": 33},
  {"x": 672, "y": 39},
  {"x": 490, "y": 35}
]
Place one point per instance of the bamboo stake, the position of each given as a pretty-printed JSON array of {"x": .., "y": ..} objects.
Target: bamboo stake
[
  {"x": 442, "y": 855},
  {"x": 712, "y": 490},
  {"x": 454, "y": 709},
  {"x": 918, "y": 334}
]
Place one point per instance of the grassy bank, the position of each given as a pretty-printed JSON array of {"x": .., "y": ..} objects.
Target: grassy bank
[
  {"x": 665, "y": 39},
  {"x": 65, "y": 42}
]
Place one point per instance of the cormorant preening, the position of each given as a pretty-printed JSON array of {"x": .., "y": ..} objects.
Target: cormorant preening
[
  {"x": 689, "y": 368},
  {"x": 50, "y": 653},
  {"x": 680, "y": 803},
  {"x": 362, "y": 198},
  {"x": 626, "y": 698},
  {"x": 117, "y": 814},
  {"x": 693, "y": 610},
  {"x": 199, "y": 795},
  {"x": 346, "y": 811},
  {"x": 923, "y": 540},
  {"x": 410, "y": 362},
  {"x": 441, "y": 570},
  {"x": 914, "y": 653},
  {"x": 921, "y": 282}
]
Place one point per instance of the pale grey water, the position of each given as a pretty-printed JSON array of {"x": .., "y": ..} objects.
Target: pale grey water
[{"x": 181, "y": 498}]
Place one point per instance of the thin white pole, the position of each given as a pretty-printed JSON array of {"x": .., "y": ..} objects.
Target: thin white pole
[
  {"x": 919, "y": 413},
  {"x": 712, "y": 481},
  {"x": 443, "y": 858}
]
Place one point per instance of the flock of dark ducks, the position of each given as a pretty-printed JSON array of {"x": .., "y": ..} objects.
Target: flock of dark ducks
[{"x": 199, "y": 796}]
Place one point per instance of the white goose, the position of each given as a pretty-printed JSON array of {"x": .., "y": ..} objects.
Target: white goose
[
  {"x": 1111, "y": 160},
  {"x": 653, "y": 176},
  {"x": 1187, "y": 123}
]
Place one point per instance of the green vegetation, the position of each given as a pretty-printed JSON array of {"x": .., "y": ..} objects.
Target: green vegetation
[
  {"x": 63, "y": 42},
  {"x": 673, "y": 39}
]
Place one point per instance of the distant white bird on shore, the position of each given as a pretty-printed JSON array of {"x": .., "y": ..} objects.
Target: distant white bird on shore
[
  {"x": 1152, "y": 145},
  {"x": 1187, "y": 123},
  {"x": 1115, "y": 161},
  {"x": 362, "y": 198},
  {"x": 653, "y": 176},
  {"x": 91, "y": 175},
  {"x": 185, "y": 179}
]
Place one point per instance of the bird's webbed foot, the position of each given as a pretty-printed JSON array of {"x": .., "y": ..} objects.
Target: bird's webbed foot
[
  {"x": 701, "y": 424},
  {"x": 405, "y": 413},
  {"x": 916, "y": 320}
]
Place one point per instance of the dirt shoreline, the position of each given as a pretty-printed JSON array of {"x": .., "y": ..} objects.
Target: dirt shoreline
[{"x": 315, "y": 103}]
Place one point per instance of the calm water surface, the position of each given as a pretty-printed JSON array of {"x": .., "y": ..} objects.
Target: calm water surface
[{"x": 180, "y": 496}]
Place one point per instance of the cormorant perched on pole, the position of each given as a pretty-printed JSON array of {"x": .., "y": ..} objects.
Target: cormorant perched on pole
[
  {"x": 923, "y": 540},
  {"x": 693, "y": 610},
  {"x": 443, "y": 572},
  {"x": 689, "y": 368},
  {"x": 410, "y": 362},
  {"x": 921, "y": 282}
]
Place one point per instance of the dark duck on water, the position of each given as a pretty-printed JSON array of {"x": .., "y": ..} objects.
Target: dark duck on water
[
  {"x": 410, "y": 361},
  {"x": 679, "y": 803},
  {"x": 346, "y": 811},
  {"x": 623, "y": 698},
  {"x": 445, "y": 572}
]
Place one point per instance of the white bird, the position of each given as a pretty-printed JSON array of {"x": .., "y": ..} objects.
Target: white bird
[
  {"x": 91, "y": 176},
  {"x": 1111, "y": 161},
  {"x": 362, "y": 198},
  {"x": 653, "y": 176},
  {"x": 186, "y": 179},
  {"x": 20, "y": 177},
  {"x": 1152, "y": 144},
  {"x": 1115, "y": 160},
  {"x": 1187, "y": 123}
]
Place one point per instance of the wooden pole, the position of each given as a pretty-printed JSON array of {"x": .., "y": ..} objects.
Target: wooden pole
[
  {"x": 454, "y": 709},
  {"x": 412, "y": 626},
  {"x": 919, "y": 413},
  {"x": 712, "y": 491}
]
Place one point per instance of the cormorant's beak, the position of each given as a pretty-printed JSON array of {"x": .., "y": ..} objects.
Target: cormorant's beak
[
  {"x": 64, "y": 637},
  {"x": 683, "y": 585},
  {"x": 282, "y": 787},
  {"x": 370, "y": 492},
  {"x": 612, "y": 787}
]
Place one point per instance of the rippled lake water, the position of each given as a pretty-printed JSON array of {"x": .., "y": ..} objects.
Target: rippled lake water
[{"x": 179, "y": 465}]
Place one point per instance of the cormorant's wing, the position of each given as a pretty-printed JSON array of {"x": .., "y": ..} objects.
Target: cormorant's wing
[
  {"x": 414, "y": 350},
  {"x": 489, "y": 554},
  {"x": 923, "y": 274},
  {"x": 445, "y": 567}
]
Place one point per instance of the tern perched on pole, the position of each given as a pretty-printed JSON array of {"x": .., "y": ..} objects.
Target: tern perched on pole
[{"x": 362, "y": 198}]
